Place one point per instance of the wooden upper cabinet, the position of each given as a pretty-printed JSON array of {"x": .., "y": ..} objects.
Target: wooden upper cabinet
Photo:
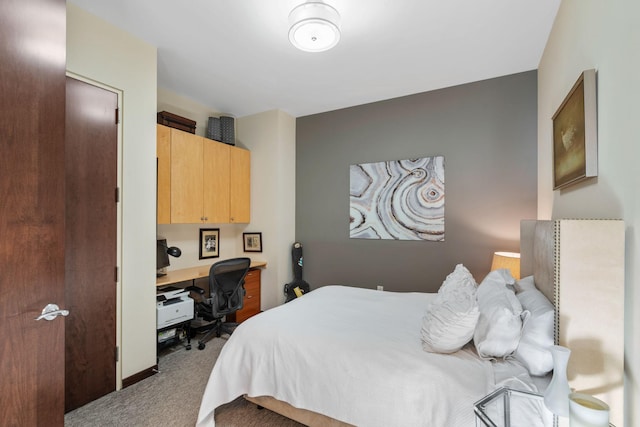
[
  {"x": 163, "y": 188},
  {"x": 240, "y": 195},
  {"x": 201, "y": 180},
  {"x": 216, "y": 181},
  {"x": 186, "y": 178}
]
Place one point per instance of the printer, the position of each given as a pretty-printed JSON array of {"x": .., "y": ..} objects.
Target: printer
[{"x": 173, "y": 306}]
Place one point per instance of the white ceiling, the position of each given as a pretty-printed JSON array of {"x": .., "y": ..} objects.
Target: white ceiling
[{"x": 234, "y": 56}]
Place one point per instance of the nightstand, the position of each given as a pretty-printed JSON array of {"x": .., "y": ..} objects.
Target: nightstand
[
  {"x": 495, "y": 409},
  {"x": 500, "y": 407}
]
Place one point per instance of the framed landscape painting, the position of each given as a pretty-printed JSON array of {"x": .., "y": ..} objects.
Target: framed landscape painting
[{"x": 575, "y": 134}]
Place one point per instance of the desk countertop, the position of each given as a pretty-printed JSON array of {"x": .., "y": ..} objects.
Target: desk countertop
[{"x": 184, "y": 274}]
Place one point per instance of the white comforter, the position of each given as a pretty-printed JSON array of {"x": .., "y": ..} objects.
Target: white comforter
[{"x": 352, "y": 354}]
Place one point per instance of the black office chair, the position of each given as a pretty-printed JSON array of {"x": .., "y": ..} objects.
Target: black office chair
[{"x": 226, "y": 288}]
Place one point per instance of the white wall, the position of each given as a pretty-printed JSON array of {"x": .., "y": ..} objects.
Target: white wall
[
  {"x": 606, "y": 36},
  {"x": 271, "y": 137},
  {"x": 105, "y": 54}
]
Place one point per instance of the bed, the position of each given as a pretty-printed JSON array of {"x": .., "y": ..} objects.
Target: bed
[{"x": 350, "y": 356}]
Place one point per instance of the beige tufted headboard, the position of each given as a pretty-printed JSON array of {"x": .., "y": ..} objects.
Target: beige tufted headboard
[
  {"x": 579, "y": 265},
  {"x": 537, "y": 254}
]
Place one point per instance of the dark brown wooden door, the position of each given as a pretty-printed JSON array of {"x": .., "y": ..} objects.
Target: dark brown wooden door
[
  {"x": 32, "y": 101},
  {"x": 91, "y": 242}
]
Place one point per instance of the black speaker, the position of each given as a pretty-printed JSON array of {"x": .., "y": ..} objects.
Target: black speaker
[
  {"x": 214, "y": 131},
  {"x": 227, "y": 126}
]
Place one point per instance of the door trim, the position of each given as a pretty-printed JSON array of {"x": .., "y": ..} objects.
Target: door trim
[{"x": 119, "y": 93}]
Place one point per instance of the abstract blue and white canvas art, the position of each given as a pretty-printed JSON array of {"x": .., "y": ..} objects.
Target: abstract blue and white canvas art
[{"x": 398, "y": 200}]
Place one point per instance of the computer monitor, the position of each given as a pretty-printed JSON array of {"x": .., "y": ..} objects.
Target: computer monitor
[{"x": 162, "y": 257}]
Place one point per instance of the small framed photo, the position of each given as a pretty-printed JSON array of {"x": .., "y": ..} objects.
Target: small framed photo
[
  {"x": 209, "y": 243},
  {"x": 252, "y": 242}
]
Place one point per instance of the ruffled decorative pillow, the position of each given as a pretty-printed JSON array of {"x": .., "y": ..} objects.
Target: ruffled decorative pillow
[{"x": 451, "y": 318}]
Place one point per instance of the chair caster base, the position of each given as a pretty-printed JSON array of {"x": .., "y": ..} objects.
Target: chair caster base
[{"x": 201, "y": 346}]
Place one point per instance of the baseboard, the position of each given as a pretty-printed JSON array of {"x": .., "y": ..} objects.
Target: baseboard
[{"x": 126, "y": 382}]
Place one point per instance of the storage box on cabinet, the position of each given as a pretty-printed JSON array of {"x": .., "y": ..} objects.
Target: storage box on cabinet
[
  {"x": 201, "y": 180},
  {"x": 173, "y": 120}
]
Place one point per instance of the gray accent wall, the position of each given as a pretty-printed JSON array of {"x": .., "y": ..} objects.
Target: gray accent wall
[{"x": 487, "y": 132}]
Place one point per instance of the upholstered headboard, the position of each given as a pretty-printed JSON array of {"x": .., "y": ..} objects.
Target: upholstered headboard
[
  {"x": 537, "y": 255},
  {"x": 579, "y": 265}
]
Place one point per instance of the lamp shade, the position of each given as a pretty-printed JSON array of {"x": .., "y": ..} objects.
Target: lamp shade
[
  {"x": 508, "y": 260},
  {"x": 315, "y": 27}
]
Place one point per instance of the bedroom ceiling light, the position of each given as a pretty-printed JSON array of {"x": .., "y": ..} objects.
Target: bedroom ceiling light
[
  {"x": 315, "y": 26},
  {"x": 508, "y": 260}
]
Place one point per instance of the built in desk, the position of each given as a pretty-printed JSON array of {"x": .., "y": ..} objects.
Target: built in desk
[
  {"x": 193, "y": 273},
  {"x": 251, "y": 304}
]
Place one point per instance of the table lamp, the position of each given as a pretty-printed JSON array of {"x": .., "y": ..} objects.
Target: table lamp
[{"x": 508, "y": 260}]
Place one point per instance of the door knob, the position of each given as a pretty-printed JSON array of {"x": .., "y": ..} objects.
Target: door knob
[{"x": 51, "y": 311}]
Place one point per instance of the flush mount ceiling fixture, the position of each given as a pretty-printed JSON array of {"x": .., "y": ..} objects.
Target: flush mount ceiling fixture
[{"x": 315, "y": 26}]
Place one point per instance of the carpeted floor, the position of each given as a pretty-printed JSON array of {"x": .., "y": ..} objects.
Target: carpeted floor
[{"x": 171, "y": 398}]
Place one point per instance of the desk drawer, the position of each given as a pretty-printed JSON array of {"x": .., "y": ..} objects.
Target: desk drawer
[{"x": 251, "y": 298}]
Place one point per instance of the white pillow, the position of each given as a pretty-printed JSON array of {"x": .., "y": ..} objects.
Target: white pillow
[
  {"x": 525, "y": 284},
  {"x": 451, "y": 318},
  {"x": 459, "y": 280},
  {"x": 500, "y": 323},
  {"x": 537, "y": 332}
]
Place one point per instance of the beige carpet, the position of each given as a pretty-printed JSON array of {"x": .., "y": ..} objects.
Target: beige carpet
[{"x": 171, "y": 398}]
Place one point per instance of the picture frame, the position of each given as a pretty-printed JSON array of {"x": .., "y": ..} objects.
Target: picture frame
[
  {"x": 575, "y": 134},
  {"x": 209, "y": 243},
  {"x": 252, "y": 242}
]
